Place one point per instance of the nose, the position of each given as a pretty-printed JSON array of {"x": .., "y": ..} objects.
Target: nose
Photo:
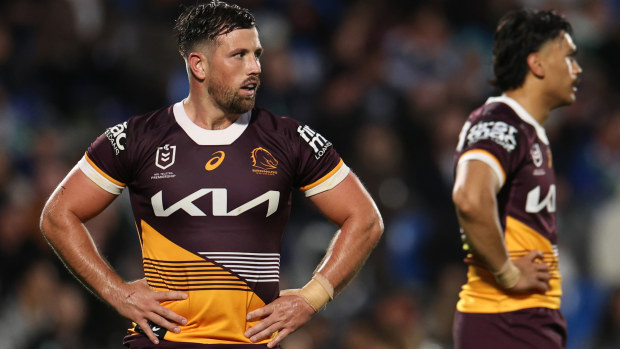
[
  {"x": 577, "y": 68},
  {"x": 254, "y": 67}
]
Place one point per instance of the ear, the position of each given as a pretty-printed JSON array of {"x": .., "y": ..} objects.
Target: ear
[
  {"x": 534, "y": 62},
  {"x": 197, "y": 64}
]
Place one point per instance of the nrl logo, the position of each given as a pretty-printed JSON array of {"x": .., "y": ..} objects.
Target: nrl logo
[
  {"x": 165, "y": 156},
  {"x": 537, "y": 155}
]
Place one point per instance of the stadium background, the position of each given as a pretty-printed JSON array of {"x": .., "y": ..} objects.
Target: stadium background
[{"x": 388, "y": 82}]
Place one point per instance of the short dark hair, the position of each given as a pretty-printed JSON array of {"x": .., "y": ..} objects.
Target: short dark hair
[
  {"x": 519, "y": 33},
  {"x": 205, "y": 22}
]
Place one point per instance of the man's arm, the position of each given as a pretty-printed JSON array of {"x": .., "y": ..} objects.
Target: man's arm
[
  {"x": 474, "y": 196},
  {"x": 76, "y": 200},
  {"x": 350, "y": 207}
]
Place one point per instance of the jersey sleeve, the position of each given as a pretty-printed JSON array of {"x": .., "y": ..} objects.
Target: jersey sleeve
[
  {"x": 320, "y": 166},
  {"x": 492, "y": 141},
  {"x": 107, "y": 158}
]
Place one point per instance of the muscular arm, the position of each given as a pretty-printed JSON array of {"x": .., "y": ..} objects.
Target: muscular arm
[
  {"x": 474, "y": 196},
  {"x": 353, "y": 210},
  {"x": 349, "y": 206},
  {"x": 76, "y": 200}
]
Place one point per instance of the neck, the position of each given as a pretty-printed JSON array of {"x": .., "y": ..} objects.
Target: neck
[
  {"x": 204, "y": 113},
  {"x": 532, "y": 102}
]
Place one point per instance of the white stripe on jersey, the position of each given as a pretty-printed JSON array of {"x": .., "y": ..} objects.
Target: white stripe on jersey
[
  {"x": 254, "y": 267},
  {"x": 330, "y": 183},
  {"x": 487, "y": 159},
  {"x": 98, "y": 178}
]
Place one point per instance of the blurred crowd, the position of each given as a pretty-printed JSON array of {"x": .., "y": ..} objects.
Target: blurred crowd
[{"x": 390, "y": 83}]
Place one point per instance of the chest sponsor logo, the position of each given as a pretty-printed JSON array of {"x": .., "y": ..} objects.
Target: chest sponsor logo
[
  {"x": 117, "y": 135},
  {"x": 263, "y": 162},
  {"x": 535, "y": 204},
  {"x": 537, "y": 156},
  {"x": 317, "y": 142},
  {"x": 497, "y": 131},
  {"x": 219, "y": 201},
  {"x": 165, "y": 156},
  {"x": 215, "y": 161}
]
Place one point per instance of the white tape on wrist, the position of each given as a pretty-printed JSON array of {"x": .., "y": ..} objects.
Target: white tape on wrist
[
  {"x": 508, "y": 275},
  {"x": 317, "y": 292}
]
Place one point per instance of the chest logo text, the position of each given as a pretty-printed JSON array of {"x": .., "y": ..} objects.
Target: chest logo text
[{"x": 219, "y": 199}]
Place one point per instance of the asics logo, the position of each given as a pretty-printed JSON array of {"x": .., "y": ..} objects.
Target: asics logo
[{"x": 215, "y": 161}]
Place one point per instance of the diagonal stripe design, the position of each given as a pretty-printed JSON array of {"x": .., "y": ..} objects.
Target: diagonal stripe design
[{"x": 253, "y": 267}]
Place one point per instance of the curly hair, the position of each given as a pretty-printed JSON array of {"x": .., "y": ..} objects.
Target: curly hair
[
  {"x": 205, "y": 22},
  {"x": 519, "y": 33}
]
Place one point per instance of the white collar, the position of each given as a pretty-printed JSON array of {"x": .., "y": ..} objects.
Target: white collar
[
  {"x": 210, "y": 137},
  {"x": 522, "y": 113}
]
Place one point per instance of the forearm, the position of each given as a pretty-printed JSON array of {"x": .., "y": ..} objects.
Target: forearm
[
  {"x": 349, "y": 249},
  {"x": 485, "y": 237},
  {"x": 71, "y": 241}
]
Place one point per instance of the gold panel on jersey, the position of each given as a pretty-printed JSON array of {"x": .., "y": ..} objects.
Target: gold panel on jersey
[
  {"x": 218, "y": 300},
  {"x": 481, "y": 295}
]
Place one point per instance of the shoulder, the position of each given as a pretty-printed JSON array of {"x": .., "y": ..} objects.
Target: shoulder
[
  {"x": 152, "y": 121},
  {"x": 276, "y": 126},
  {"x": 494, "y": 111},
  {"x": 267, "y": 119}
]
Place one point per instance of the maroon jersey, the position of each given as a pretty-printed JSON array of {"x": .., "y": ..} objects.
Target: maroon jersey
[
  {"x": 211, "y": 207},
  {"x": 503, "y": 135}
]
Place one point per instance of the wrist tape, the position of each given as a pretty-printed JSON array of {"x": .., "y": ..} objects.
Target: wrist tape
[
  {"x": 508, "y": 275},
  {"x": 317, "y": 292}
]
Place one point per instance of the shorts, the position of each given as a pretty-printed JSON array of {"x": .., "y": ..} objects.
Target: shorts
[
  {"x": 139, "y": 341},
  {"x": 522, "y": 329}
]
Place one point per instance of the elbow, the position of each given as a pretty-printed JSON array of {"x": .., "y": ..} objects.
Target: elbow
[
  {"x": 466, "y": 202},
  {"x": 375, "y": 227},
  {"x": 46, "y": 221},
  {"x": 50, "y": 220}
]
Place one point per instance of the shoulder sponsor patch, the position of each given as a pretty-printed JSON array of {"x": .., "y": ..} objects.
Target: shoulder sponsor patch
[
  {"x": 117, "y": 135},
  {"x": 317, "y": 142},
  {"x": 497, "y": 131}
]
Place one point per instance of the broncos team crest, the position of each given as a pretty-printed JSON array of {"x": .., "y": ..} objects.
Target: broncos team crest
[{"x": 263, "y": 162}]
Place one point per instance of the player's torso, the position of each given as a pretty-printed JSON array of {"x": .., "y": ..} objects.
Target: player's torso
[
  {"x": 211, "y": 219},
  {"x": 526, "y": 204}
]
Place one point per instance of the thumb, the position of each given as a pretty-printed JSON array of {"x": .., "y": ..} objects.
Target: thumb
[
  {"x": 535, "y": 254},
  {"x": 290, "y": 292}
]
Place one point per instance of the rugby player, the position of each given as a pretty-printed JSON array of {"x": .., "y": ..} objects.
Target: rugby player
[
  {"x": 210, "y": 181},
  {"x": 505, "y": 190}
]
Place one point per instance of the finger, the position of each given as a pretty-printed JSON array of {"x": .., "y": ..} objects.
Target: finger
[
  {"x": 170, "y": 296},
  {"x": 279, "y": 337},
  {"x": 257, "y": 328},
  {"x": 543, "y": 287},
  {"x": 148, "y": 332},
  {"x": 161, "y": 321},
  {"x": 171, "y": 315},
  {"x": 260, "y": 313},
  {"x": 266, "y": 333}
]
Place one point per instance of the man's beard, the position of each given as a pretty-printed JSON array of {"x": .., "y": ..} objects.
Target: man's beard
[{"x": 229, "y": 100}]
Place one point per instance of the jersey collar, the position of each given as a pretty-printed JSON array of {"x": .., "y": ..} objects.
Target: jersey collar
[
  {"x": 210, "y": 137},
  {"x": 522, "y": 113}
]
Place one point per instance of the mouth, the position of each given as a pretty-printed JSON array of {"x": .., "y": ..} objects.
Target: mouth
[{"x": 250, "y": 86}]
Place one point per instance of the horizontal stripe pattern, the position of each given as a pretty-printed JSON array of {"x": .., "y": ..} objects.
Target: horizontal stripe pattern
[
  {"x": 190, "y": 276},
  {"x": 252, "y": 267}
]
